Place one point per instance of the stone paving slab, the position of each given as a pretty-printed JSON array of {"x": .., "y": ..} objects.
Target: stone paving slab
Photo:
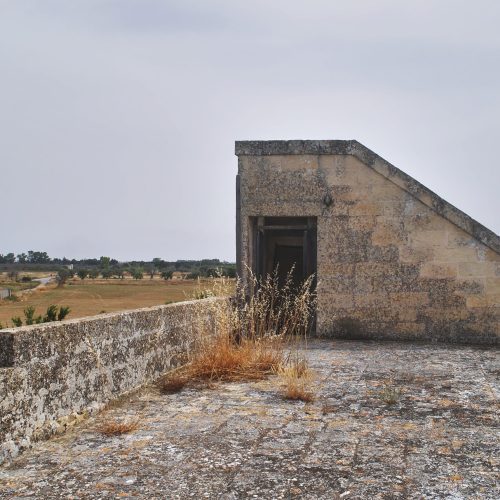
[{"x": 242, "y": 440}]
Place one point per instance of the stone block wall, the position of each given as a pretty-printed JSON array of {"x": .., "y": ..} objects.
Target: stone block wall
[
  {"x": 394, "y": 261},
  {"x": 53, "y": 374}
]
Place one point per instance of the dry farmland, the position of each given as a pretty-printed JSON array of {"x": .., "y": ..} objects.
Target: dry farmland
[{"x": 90, "y": 297}]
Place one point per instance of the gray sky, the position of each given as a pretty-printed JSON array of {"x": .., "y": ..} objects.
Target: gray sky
[{"x": 118, "y": 117}]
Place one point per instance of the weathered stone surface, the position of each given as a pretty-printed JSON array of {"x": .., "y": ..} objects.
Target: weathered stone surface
[
  {"x": 439, "y": 440},
  {"x": 391, "y": 255},
  {"x": 52, "y": 374}
]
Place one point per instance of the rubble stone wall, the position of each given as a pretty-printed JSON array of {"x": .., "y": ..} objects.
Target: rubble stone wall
[
  {"x": 54, "y": 374},
  {"x": 394, "y": 261}
]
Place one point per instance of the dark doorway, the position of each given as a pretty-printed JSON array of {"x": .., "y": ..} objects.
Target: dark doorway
[
  {"x": 285, "y": 243},
  {"x": 289, "y": 259}
]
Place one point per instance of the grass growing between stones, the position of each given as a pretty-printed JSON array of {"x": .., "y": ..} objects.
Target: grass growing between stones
[
  {"x": 117, "y": 428},
  {"x": 389, "y": 394},
  {"x": 224, "y": 360},
  {"x": 296, "y": 380},
  {"x": 251, "y": 337},
  {"x": 173, "y": 383}
]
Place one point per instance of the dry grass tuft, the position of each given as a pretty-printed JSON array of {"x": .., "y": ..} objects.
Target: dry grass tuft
[
  {"x": 249, "y": 336},
  {"x": 222, "y": 359},
  {"x": 227, "y": 360},
  {"x": 172, "y": 383},
  {"x": 117, "y": 428},
  {"x": 296, "y": 379},
  {"x": 326, "y": 409},
  {"x": 389, "y": 394}
]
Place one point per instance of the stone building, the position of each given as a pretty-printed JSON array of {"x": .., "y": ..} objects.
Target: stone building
[{"x": 392, "y": 259}]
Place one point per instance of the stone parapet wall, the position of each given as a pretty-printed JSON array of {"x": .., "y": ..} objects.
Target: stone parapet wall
[{"x": 52, "y": 375}]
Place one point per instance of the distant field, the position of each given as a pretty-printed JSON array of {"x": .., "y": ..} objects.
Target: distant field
[
  {"x": 17, "y": 286},
  {"x": 92, "y": 297}
]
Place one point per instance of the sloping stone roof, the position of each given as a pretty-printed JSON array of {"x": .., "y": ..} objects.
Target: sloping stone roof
[{"x": 384, "y": 168}]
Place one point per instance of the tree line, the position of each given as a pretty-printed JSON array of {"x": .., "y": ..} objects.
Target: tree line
[{"x": 108, "y": 267}]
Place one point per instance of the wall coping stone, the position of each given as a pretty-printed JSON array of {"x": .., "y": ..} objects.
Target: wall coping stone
[
  {"x": 381, "y": 166},
  {"x": 11, "y": 338}
]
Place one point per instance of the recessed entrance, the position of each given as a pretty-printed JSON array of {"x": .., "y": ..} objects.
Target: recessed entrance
[{"x": 287, "y": 244}]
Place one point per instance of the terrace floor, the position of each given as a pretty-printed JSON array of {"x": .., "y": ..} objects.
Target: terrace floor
[{"x": 242, "y": 440}]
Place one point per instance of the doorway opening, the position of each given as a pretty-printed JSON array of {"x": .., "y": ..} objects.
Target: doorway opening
[{"x": 285, "y": 244}]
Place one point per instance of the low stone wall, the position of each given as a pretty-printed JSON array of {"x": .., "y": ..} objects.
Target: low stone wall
[{"x": 55, "y": 374}]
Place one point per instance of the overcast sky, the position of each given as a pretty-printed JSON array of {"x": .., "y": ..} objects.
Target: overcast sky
[{"x": 118, "y": 117}]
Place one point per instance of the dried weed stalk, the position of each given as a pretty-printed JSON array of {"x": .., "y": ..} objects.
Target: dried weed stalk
[
  {"x": 117, "y": 428},
  {"x": 249, "y": 336},
  {"x": 296, "y": 379}
]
